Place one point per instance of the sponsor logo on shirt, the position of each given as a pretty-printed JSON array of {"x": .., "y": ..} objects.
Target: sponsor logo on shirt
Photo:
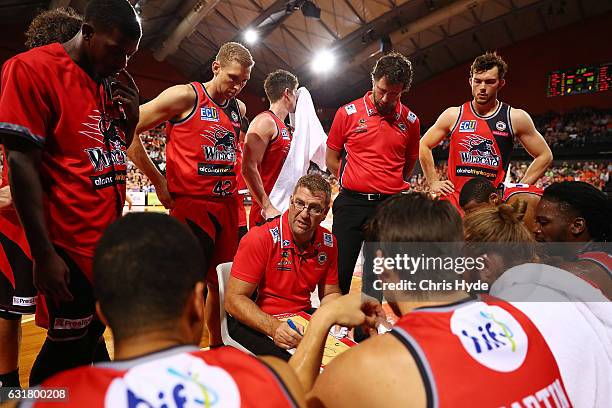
[
  {"x": 412, "y": 117},
  {"x": 361, "y": 126},
  {"x": 491, "y": 336},
  {"x": 109, "y": 179},
  {"x": 479, "y": 151},
  {"x": 24, "y": 301},
  {"x": 234, "y": 116},
  {"x": 467, "y": 126},
  {"x": 72, "y": 324},
  {"x": 285, "y": 134},
  {"x": 284, "y": 264},
  {"x": 210, "y": 114},
  {"x": 275, "y": 235},
  {"x": 321, "y": 258},
  {"x": 176, "y": 381},
  {"x": 501, "y": 126},
  {"x": 286, "y": 243},
  {"x": 401, "y": 127},
  {"x": 328, "y": 239},
  {"x": 350, "y": 109},
  {"x": 495, "y": 132}
]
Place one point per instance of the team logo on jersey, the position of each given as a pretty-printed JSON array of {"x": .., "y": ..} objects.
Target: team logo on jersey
[
  {"x": 210, "y": 114},
  {"x": 350, "y": 109},
  {"x": 361, "y": 126},
  {"x": 412, "y": 117},
  {"x": 234, "y": 116},
  {"x": 321, "y": 258},
  {"x": 467, "y": 126},
  {"x": 491, "y": 336},
  {"x": 328, "y": 239},
  {"x": 223, "y": 144},
  {"x": 175, "y": 381},
  {"x": 275, "y": 234},
  {"x": 104, "y": 131},
  {"x": 479, "y": 151},
  {"x": 501, "y": 126},
  {"x": 286, "y": 243},
  {"x": 284, "y": 264},
  {"x": 401, "y": 127},
  {"x": 284, "y": 134}
]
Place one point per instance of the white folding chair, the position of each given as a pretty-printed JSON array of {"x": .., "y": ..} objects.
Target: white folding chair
[{"x": 223, "y": 273}]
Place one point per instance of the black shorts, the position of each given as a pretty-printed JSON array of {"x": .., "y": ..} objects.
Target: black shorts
[
  {"x": 71, "y": 320},
  {"x": 17, "y": 291}
]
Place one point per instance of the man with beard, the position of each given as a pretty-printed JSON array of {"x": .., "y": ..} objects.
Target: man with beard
[
  {"x": 481, "y": 135},
  {"x": 372, "y": 148}
]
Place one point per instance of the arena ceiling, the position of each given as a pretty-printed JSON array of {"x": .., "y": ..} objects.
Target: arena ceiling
[{"x": 436, "y": 34}]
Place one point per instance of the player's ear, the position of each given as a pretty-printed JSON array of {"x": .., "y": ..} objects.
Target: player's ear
[
  {"x": 87, "y": 31},
  {"x": 100, "y": 314},
  {"x": 502, "y": 82}
]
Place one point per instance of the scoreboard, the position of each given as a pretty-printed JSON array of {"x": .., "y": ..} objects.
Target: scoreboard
[{"x": 581, "y": 80}]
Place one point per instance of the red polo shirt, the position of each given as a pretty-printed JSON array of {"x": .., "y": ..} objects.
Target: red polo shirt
[
  {"x": 285, "y": 275},
  {"x": 376, "y": 146}
]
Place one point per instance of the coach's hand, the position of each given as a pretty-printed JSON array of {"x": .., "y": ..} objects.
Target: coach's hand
[
  {"x": 442, "y": 187},
  {"x": 285, "y": 337},
  {"x": 51, "y": 278}
]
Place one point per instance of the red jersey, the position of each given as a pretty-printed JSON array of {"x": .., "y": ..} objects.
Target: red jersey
[
  {"x": 480, "y": 146},
  {"x": 272, "y": 163},
  {"x": 601, "y": 258},
  {"x": 240, "y": 186},
  {"x": 510, "y": 189},
  {"x": 201, "y": 149},
  {"x": 486, "y": 352},
  {"x": 181, "y": 376},
  {"x": 285, "y": 275},
  {"x": 50, "y": 101},
  {"x": 374, "y": 147}
]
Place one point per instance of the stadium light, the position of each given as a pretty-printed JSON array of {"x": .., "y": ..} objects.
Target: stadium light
[
  {"x": 323, "y": 61},
  {"x": 251, "y": 36}
]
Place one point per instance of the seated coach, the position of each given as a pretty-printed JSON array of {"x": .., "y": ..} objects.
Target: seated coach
[{"x": 277, "y": 267}]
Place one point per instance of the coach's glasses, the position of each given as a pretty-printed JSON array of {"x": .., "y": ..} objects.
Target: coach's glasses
[{"x": 299, "y": 205}]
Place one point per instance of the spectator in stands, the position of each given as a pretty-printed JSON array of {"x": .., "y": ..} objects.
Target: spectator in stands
[
  {"x": 284, "y": 260},
  {"x": 574, "y": 318},
  {"x": 436, "y": 354}
]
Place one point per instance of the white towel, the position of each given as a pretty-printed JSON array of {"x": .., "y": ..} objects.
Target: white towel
[
  {"x": 308, "y": 145},
  {"x": 576, "y": 322}
]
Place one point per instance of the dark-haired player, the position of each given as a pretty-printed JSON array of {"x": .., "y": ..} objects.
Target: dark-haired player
[
  {"x": 267, "y": 144},
  {"x": 66, "y": 150},
  {"x": 482, "y": 133}
]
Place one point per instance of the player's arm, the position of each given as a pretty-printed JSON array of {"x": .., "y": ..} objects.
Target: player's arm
[
  {"x": 433, "y": 137},
  {"x": 346, "y": 311},
  {"x": 332, "y": 160},
  {"x": 238, "y": 303},
  {"x": 175, "y": 103},
  {"x": 330, "y": 292},
  {"x": 5, "y": 196},
  {"x": 335, "y": 142},
  {"x": 50, "y": 271},
  {"x": 366, "y": 376},
  {"x": 288, "y": 376},
  {"x": 412, "y": 149},
  {"x": 533, "y": 142},
  {"x": 260, "y": 132}
]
